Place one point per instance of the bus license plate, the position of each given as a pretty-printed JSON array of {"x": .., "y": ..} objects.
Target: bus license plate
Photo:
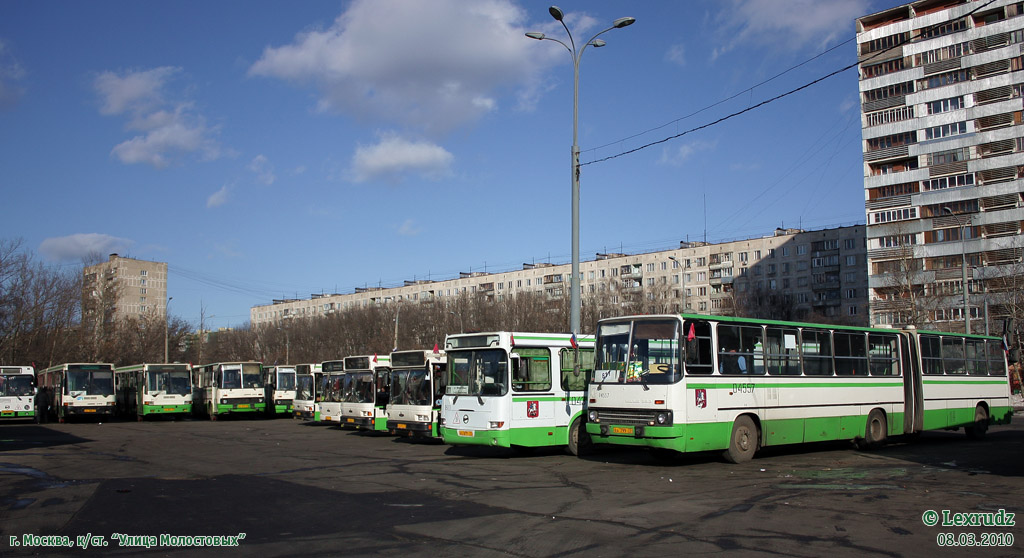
[
  {"x": 90, "y": 410},
  {"x": 400, "y": 425},
  {"x": 8, "y": 412},
  {"x": 169, "y": 409},
  {"x": 350, "y": 419},
  {"x": 466, "y": 433},
  {"x": 243, "y": 406},
  {"x": 622, "y": 430}
]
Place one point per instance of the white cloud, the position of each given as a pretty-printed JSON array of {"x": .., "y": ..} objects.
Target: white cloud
[
  {"x": 408, "y": 228},
  {"x": 218, "y": 198},
  {"x": 263, "y": 170},
  {"x": 168, "y": 128},
  {"x": 677, "y": 55},
  {"x": 432, "y": 65},
  {"x": 789, "y": 25},
  {"x": 394, "y": 156},
  {"x": 11, "y": 74},
  {"x": 678, "y": 156},
  {"x": 78, "y": 246}
]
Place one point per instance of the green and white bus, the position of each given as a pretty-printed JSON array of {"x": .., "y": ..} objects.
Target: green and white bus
[
  {"x": 331, "y": 391},
  {"x": 79, "y": 389},
  {"x": 142, "y": 390},
  {"x": 17, "y": 392},
  {"x": 417, "y": 385},
  {"x": 227, "y": 388},
  {"x": 279, "y": 381},
  {"x": 307, "y": 381},
  {"x": 698, "y": 383},
  {"x": 367, "y": 390},
  {"x": 513, "y": 389}
]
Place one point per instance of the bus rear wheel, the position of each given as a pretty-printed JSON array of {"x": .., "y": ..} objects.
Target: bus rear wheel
[
  {"x": 875, "y": 430},
  {"x": 579, "y": 440},
  {"x": 980, "y": 427},
  {"x": 743, "y": 442}
]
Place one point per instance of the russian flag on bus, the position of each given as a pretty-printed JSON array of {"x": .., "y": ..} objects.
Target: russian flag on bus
[{"x": 572, "y": 341}]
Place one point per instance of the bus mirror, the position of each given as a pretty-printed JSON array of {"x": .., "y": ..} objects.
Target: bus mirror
[
  {"x": 1013, "y": 356},
  {"x": 516, "y": 365}
]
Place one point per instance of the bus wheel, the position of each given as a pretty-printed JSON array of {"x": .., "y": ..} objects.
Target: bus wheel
[
  {"x": 743, "y": 442},
  {"x": 579, "y": 440},
  {"x": 980, "y": 427},
  {"x": 875, "y": 430}
]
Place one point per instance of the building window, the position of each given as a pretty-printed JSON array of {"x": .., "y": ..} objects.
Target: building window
[
  {"x": 945, "y": 105},
  {"x": 143, "y": 273},
  {"x": 946, "y": 130}
]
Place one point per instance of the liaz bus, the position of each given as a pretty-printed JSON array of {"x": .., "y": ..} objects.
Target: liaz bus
[
  {"x": 17, "y": 392},
  {"x": 280, "y": 389},
  {"x": 79, "y": 390},
  {"x": 512, "y": 389},
  {"x": 697, "y": 383},
  {"x": 331, "y": 391},
  {"x": 307, "y": 381},
  {"x": 367, "y": 389},
  {"x": 417, "y": 385},
  {"x": 153, "y": 389},
  {"x": 228, "y": 388}
]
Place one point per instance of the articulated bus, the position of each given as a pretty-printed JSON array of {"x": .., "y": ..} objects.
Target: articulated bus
[
  {"x": 307, "y": 381},
  {"x": 153, "y": 389},
  {"x": 515, "y": 389},
  {"x": 698, "y": 383},
  {"x": 79, "y": 390},
  {"x": 17, "y": 392},
  {"x": 228, "y": 388},
  {"x": 417, "y": 385},
  {"x": 280, "y": 389},
  {"x": 331, "y": 391},
  {"x": 367, "y": 389}
]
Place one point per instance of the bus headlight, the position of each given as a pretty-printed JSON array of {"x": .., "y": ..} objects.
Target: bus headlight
[
  {"x": 663, "y": 418},
  {"x": 495, "y": 424},
  {"x": 593, "y": 417}
]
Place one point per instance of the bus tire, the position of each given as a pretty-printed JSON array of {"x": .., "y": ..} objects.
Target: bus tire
[
  {"x": 875, "y": 430},
  {"x": 977, "y": 430},
  {"x": 579, "y": 441},
  {"x": 743, "y": 442}
]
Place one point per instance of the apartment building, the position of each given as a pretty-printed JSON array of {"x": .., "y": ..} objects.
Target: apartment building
[
  {"x": 822, "y": 273},
  {"x": 943, "y": 145},
  {"x": 123, "y": 287}
]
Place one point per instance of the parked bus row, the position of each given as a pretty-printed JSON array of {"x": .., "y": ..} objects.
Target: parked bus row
[{"x": 677, "y": 383}]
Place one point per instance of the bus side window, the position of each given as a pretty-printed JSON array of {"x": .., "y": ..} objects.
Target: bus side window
[{"x": 699, "y": 352}]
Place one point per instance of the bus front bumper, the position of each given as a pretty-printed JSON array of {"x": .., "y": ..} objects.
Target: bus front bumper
[
  {"x": 241, "y": 408},
  {"x": 166, "y": 409},
  {"x": 494, "y": 438},
  {"x": 104, "y": 411},
  {"x": 413, "y": 428}
]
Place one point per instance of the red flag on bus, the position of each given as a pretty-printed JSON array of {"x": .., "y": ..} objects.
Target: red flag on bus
[
  {"x": 435, "y": 349},
  {"x": 692, "y": 334}
]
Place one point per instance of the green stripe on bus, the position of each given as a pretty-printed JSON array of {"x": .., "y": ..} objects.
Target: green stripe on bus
[
  {"x": 726, "y": 384},
  {"x": 971, "y": 382}
]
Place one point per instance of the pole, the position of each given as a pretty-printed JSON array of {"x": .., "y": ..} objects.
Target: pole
[{"x": 167, "y": 319}]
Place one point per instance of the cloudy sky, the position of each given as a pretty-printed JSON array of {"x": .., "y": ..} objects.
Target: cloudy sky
[{"x": 267, "y": 149}]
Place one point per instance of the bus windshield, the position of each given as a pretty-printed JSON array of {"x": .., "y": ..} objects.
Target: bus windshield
[
  {"x": 481, "y": 372},
  {"x": 251, "y": 377},
  {"x": 640, "y": 351},
  {"x": 304, "y": 387},
  {"x": 171, "y": 382},
  {"x": 16, "y": 385},
  {"x": 286, "y": 380},
  {"x": 358, "y": 387},
  {"x": 231, "y": 378},
  {"x": 410, "y": 387},
  {"x": 90, "y": 382},
  {"x": 332, "y": 388}
]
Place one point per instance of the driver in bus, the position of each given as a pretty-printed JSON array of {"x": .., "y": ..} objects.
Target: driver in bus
[{"x": 731, "y": 363}]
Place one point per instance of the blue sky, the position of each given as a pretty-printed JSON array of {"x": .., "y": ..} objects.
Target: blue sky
[{"x": 271, "y": 149}]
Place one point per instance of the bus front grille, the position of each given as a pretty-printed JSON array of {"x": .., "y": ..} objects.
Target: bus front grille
[{"x": 625, "y": 416}]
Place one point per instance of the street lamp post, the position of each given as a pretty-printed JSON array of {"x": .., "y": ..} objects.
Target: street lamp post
[
  {"x": 462, "y": 326},
  {"x": 574, "y": 284},
  {"x": 963, "y": 265},
  {"x": 167, "y": 319}
]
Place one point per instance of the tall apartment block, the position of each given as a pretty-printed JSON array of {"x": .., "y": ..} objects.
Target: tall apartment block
[
  {"x": 812, "y": 273},
  {"x": 122, "y": 288},
  {"x": 943, "y": 144}
]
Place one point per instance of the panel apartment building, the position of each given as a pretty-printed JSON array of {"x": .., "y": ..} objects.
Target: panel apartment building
[
  {"x": 815, "y": 272},
  {"x": 943, "y": 146},
  {"x": 121, "y": 288}
]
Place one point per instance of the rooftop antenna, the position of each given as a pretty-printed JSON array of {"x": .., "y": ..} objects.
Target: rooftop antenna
[{"x": 705, "y": 216}]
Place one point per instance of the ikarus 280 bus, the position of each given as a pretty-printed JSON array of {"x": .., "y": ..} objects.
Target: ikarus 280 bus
[
  {"x": 367, "y": 389},
  {"x": 17, "y": 392},
  {"x": 307, "y": 381},
  {"x": 280, "y": 389},
  {"x": 153, "y": 389},
  {"x": 514, "y": 389},
  {"x": 331, "y": 391},
  {"x": 417, "y": 385},
  {"x": 80, "y": 389},
  {"x": 697, "y": 383},
  {"x": 228, "y": 388}
]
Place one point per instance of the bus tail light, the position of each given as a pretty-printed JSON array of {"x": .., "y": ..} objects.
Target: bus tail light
[{"x": 496, "y": 424}]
